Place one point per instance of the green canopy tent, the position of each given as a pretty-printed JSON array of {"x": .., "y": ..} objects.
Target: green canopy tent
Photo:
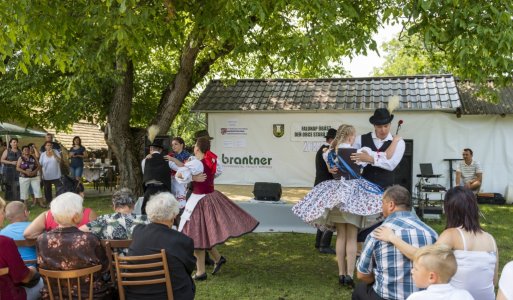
[{"x": 15, "y": 130}]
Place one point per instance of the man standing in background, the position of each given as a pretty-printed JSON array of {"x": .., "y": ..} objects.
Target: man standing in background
[{"x": 322, "y": 173}]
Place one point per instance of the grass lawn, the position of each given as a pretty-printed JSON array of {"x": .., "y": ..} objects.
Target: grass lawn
[{"x": 286, "y": 266}]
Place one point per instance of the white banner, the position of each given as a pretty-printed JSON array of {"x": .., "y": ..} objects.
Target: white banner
[{"x": 268, "y": 150}]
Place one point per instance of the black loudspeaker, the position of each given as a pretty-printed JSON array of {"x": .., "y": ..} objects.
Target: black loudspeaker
[
  {"x": 403, "y": 173},
  {"x": 490, "y": 198},
  {"x": 269, "y": 191}
]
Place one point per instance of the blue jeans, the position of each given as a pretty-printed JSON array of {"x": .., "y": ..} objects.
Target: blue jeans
[{"x": 76, "y": 171}]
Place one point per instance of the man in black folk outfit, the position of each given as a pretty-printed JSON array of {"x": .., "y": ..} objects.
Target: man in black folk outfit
[
  {"x": 322, "y": 173},
  {"x": 380, "y": 170},
  {"x": 156, "y": 173}
]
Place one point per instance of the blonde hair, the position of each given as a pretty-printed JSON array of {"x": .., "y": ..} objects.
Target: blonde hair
[
  {"x": 343, "y": 132},
  {"x": 439, "y": 259}
]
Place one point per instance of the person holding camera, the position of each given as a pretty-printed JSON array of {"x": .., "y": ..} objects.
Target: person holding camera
[
  {"x": 28, "y": 167},
  {"x": 50, "y": 162}
]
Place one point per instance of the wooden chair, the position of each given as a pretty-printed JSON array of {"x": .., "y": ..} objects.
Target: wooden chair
[
  {"x": 143, "y": 270},
  {"x": 4, "y": 271},
  {"x": 27, "y": 243},
  {"x": 66, "y": 279},
  {"x": 111, "y": 247}
]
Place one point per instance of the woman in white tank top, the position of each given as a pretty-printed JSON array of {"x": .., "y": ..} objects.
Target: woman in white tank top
[{"x": 475, "y": 250}]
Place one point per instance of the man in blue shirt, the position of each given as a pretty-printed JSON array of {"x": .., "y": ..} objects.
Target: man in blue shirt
[
  {"x": 17, "y": 215},
  {"x": 385, "y": 273}
]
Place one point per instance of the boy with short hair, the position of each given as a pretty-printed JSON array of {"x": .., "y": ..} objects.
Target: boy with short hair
[{"x": 433, "y": 268}]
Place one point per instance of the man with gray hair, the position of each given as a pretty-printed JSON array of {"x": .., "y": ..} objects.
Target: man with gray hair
[
  {"x": 17, "y": 215},
  {"x": 385, "y": 273},
  {"x": 120, "y": 224},
  {"x": 161, "y": 209}
]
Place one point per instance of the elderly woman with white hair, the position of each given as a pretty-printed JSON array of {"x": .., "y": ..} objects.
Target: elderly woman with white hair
[
  {"x": 68, "y": 248},
  {"x": 120, "y": 224},
  {"x": 161, "y": 210}
]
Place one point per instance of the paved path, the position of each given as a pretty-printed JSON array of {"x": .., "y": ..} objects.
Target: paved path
[{"x": 275, "y": 217}]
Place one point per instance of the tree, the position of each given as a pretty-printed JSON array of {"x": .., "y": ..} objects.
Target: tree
[
  {"x": 134, "y": 62},
  {"x": 407, "y": 56}
]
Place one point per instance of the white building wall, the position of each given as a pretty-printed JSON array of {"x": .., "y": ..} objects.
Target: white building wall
[{"x": 289, "y": 159}]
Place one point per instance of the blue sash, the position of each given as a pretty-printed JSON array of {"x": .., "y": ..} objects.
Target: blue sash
[{"x": 342, "y": 165}]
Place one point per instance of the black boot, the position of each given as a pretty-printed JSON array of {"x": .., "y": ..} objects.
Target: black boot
[
  {"x": 325, "y": 245},
  {"x": 318, "y": 238}
]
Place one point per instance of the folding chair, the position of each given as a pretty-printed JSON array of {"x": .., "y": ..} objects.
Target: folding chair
[
  {"x": 66, "y": 281},
  {"x": 143, "y": 270}
]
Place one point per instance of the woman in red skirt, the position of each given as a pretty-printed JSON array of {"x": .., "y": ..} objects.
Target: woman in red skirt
[{"x": 209, "y": 218}]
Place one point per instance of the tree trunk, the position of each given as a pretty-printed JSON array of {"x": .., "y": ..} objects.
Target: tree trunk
[
  {"x": 124, "y": 142},
  {"x": 127, "y": 145}
]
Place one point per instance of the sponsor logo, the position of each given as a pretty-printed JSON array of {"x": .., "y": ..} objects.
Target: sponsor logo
[
  {"x": 278, "y": 130},
  {"x": 234, "y": 131},
  {"x": 246, "y": 160}
]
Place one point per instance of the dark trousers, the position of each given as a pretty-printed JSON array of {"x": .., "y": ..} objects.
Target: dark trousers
[
  {"x": 150, "y": 190},
  {"x": 362, "y": 235},
  {"x": 364, "y": 291},
  {"x": 47, "y": 184}
]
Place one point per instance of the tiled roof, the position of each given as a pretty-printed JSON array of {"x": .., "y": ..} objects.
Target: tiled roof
[
  {"x": 427, "y": 92},
  {"x": 471, "y": 105},
  {"x": 91, "y": 135}
]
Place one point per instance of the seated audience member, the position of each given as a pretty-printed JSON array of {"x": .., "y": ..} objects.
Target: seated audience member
[
  {"x": 17, "y": 215},
  {"x": 68, "y": 248},
  {"x": 475, "y": 250},
  {"x": 147, "y": 239},
  {"x": 46, "y": 222},
  {"x": 433, "y": 268},
  {"x": 469, "y": 172},
  {"x": 21, "y": 282},
  {"x": 383, "y": 272},
  {"x": 506, "y": 283},
  {"x": 120, "y": 224}
]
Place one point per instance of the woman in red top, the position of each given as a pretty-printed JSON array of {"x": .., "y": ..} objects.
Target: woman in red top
[
  {"x": 45, "y": 222},
  {"x": 209, "y": 218}
]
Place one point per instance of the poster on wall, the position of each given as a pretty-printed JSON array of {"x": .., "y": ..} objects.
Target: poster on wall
[{"x": 309, "y": 131}]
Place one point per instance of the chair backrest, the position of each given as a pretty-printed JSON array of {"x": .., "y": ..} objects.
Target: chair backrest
[
  {"x": 27, "y": 243},
  {"x": 111, "y": 247},
  {"x": 143, "y": 270},
  {"x": 4, "y": 271},
  {"x": 65, "y": 281}
]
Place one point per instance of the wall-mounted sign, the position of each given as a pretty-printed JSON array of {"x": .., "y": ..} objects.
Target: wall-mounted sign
[{"x": 309, "y": 131}]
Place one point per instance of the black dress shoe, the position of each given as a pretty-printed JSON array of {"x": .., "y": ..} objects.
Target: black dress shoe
[
  {"x": 349, "y": 281},
  {"x": 218, "y": 265},
  {"x": 200, "y": 277},
  {"x": 341, "y": 279},
  {"x": 327, "y": 251}
]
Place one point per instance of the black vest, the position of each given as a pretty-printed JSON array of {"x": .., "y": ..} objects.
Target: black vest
[
  {"x": 321, "y": 169},
  {"x": 157, "y": 168},
  {"x": 379, "y": 176}
]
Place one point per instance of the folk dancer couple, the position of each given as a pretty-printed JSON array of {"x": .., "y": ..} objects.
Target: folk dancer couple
[
  {"x": 209, "y": 217},
  {"x": 346, "y": 202}
]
